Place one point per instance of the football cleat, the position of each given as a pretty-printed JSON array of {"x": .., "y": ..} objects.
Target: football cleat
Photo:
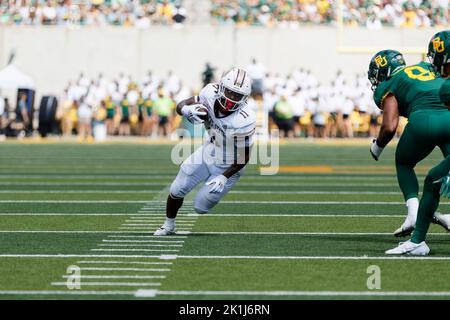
[
  {"x": 164, "y": 231},
  {"x": 404, "y": 230},
  {"x": 442, "y": 219},
  {"x": 410, "y": 248}
]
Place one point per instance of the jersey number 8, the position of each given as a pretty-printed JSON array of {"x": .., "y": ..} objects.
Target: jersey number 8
[{"x": 419, "y": 73}]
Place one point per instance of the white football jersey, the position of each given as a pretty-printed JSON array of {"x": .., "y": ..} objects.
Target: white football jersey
[{"x": 228, "y": 134}]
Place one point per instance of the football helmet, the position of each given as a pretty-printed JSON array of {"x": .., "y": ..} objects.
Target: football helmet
[
  {"x": 384, "y": 65},
  {"x": 439, "y": 50},
  {"x": 234, "y": 89}
]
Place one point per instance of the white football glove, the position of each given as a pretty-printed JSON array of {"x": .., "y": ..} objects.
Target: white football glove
[
  {"x": 218, "y": 184},
  {"x": 192, "y": 113},
  {"x": 375, "y": 150}
]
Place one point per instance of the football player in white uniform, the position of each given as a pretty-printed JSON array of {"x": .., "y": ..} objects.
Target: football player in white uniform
[{"x": 220, "y": 162}]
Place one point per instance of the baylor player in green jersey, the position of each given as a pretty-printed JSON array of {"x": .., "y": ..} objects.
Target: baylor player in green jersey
[
  {"x": 412, "y": 92},
  {"x": 438, "y": 178}
]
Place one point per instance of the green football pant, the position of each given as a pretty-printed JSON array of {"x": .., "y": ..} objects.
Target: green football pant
[
  {"x": 430, "y": 200},
  {"x": 425, "y": 130}
]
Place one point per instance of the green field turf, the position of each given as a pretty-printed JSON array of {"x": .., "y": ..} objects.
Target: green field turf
[{"x": 294, "y": 235}]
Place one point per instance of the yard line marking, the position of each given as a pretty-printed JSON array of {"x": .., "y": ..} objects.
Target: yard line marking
[
  {"x": 127, "y": 269},
  {"x": 169, "y": 257},
  {"x": 140, "y": 250},
  {"x": 149, "y": 236},
  {"x": 118, "y": 284},
  {"x": 315, "y": 192},
  {"x": 314, "y": 257},
  {"x": 81, "y": 176},
  {"x": 181, "y": 232},
  {"x": 315, "y": 202},
  {"x": 148, "y": 228},
  {"x": 103, "y": 184},
  {"x": 321, "y": 202},
  {"x": 153, "y": 293},
  {"x": 303, "y": 233},
  {"x": 78, "y": 191},
  {"x": 72, "y": 201},
  {"x": 143, "y": 293},
  {"x": 68, "y": 231},
  {"x": 33, "y": 255},
  {"x": 141, "y": 224},
  {"x": 331, "y": 215},
  {"x": 117, "y": 277},
  {"x": 193, "y": 216},
  {"x": 122, "y": 262},
  {"x": 66, "y": 292},
  {"x": 144, "y": 241},
  {"x": 154, "y": 224},
  {"x": 332, "y": 176},
  {"x": 73, "y": 214},
  {"x": 138, "y": 245}
]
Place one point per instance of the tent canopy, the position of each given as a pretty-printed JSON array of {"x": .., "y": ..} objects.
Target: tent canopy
[{"x": 12, "y": 78}]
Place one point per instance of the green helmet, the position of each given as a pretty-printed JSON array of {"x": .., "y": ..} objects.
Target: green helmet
[
  {"x": 439, "y": 50},
  {"x": 383, "y": 65}
]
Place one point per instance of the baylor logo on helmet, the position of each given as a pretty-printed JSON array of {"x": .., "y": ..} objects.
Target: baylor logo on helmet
[
  {"x": 438, "y": 45},
  {"x": 380, "y": 61}
]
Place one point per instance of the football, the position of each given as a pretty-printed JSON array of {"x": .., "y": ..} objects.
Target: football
[{"x": 205, "y": 110}]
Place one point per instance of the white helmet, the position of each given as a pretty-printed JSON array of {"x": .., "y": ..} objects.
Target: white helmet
[{"x": 234, "y": 89}]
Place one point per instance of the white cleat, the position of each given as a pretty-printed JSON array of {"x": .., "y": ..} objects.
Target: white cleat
[
  {"x": 164, "y": 231},
  {"x": 442, "y": 219},
  {"x": 410, "y": 248}
]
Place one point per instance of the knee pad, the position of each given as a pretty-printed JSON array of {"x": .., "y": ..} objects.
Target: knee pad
[
  {"x": 177, "y": 190},
  {"x": 200, "y": 210}
]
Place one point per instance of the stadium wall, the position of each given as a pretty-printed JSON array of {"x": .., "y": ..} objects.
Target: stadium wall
[{"x": 55, "y": 55}]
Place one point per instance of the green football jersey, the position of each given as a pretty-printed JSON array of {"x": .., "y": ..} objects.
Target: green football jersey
[
  {"x": 444, "y": 92},
  {"x": 415, "y": 87}
]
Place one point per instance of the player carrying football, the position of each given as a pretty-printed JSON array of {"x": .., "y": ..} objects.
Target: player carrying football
[
  {"x": 438, "y": 178},
  {"x": 221, "y": 160},
  {"x": 412, "y": 92}
]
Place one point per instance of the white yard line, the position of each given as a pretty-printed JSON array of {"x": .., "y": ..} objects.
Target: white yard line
[
  {"x": 122, "y": 262},
  {"x": 192, "y": 217},
  {"x": 315, "y": 192},
  {"x": 181, "y": 232},
  {"x": 138, "y": 245},
  {"x": 117, "y": 284},
  {"x": 303, "y": 233},
  {"x": 173, "y": 256},
  {"x": 144, "y": 241},
  {"x": 232, "y": 192},
  {"x": 65, "y": 292},
  {"x": 127, "y": 269},
  {"x": 153, "y": 293},
  {"x": 148, "y": 236},
  {"x": 116, "y": 277},
  {"x": 134, "y": 250},
  {"x": 44, "y": 255}
]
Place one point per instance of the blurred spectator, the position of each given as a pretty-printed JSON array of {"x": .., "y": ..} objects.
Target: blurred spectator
[
  {"x": 131, "y": 13},
  {"x": 208, "y": 74},
  {"x": 84, "y": 121},
  {"x": 284, "y": 117},
  {"x": 22, "y": 116},
  {"x": 256, "y": 71},
  {"x": 164, "y": 109},
  {"x": 2, "y": 118},
  {"x": 373, "y": 14}
]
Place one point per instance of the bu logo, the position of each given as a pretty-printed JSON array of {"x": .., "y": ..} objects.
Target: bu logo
[
  {"x": 380, "y": 61},
  {"x": 438, "y": 45}
]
